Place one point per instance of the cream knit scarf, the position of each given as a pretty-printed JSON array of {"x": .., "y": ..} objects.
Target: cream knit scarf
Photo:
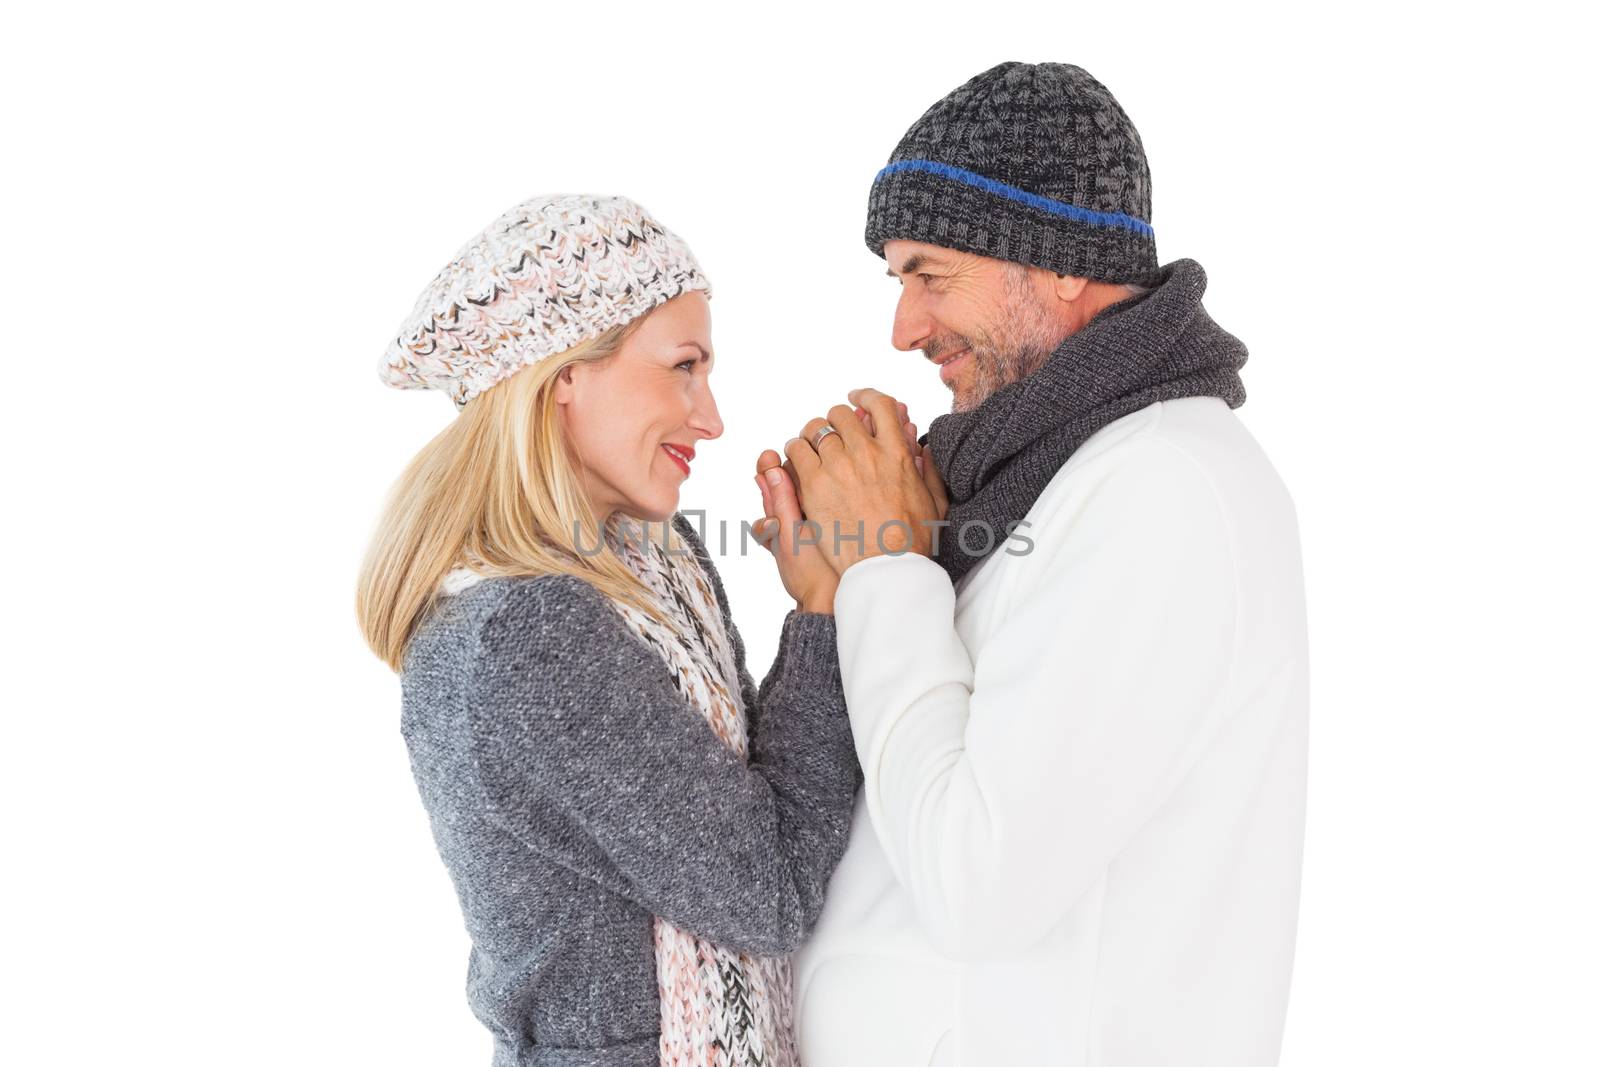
[{"x": 718, "y": 1007}]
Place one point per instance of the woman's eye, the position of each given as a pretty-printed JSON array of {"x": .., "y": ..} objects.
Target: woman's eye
[{"x": 689, "y": 364}]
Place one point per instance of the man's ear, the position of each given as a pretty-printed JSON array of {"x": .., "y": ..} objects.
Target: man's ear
[{"x": 1068, "y": 287}]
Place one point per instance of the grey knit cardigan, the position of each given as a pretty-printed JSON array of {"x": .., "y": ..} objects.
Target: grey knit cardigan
[{"x": 574, "y": 794}]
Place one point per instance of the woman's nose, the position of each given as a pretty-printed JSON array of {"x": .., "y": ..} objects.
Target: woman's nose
[{"x": 705, "y": 418}]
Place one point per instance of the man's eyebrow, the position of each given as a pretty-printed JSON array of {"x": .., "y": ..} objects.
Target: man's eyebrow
[{"x": 910, "y": 266}]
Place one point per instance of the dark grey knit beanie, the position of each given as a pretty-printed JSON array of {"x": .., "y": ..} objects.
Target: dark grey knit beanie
[{"x": 1031, "y": 162}]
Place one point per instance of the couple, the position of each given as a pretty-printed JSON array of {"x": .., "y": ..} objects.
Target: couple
[{"x": 1025, "y": 781}]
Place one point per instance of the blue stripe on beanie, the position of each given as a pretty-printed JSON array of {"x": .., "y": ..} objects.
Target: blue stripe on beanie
[{"x": 1115, "y": 220}]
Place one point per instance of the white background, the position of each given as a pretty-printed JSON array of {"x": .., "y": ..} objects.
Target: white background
[{"x": 217, "y": 216}]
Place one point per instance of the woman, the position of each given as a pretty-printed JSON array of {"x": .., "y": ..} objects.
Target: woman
[{"x": 638, "y": 834}]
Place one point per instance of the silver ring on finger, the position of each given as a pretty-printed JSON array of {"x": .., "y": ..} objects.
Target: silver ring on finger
[{"x": 816, "y": 442}]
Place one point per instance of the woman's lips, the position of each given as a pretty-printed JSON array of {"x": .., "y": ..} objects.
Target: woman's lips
[
  {"x": 676, "y": 458},
  {"x": 947, "y": 367}
]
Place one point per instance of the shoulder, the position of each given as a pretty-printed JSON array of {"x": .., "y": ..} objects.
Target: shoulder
[
  {"x": 1138, "y": 468},
  {"x": 1186, "y": 466},
  {"x": 548, "y": 645},
  {"x": 515, "y": 643},
  {"x": 509, "y": 620},
  {"x": 1135, "y": 498},
  {"x": 552, "y": 614}
]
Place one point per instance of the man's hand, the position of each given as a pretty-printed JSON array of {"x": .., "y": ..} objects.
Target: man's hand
[
  {"x": 770, "y": 457},
  {"x": 864, "y": 485}
]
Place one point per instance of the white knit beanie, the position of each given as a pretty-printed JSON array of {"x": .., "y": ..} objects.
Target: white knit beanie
[{"x": 550, "y": 273}]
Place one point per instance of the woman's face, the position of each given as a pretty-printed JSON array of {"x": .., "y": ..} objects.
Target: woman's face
[{"x": 634, "y": 419}]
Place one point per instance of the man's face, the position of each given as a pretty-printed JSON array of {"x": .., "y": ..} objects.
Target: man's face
[{"x": 985, "y": 322}]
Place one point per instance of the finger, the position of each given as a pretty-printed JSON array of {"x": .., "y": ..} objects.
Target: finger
[
  {"x": 765, "y": 462},
  {"x": 758, "y": 530},
  {"x": 911, "y": 435},
  {"x": 768, "y": 458},
  {"x": 785, "y": 502},
  {"x": 766, "y": 493},
  {"x": 885, "y": 408},
  {"x": 885, "y": 411},
  {"x": 933, "y": 480},
  {"x": 866, "y": 419},
  {"x": 852, "y": 429},
  {"x": 809, "y": 430},
  {"x": 812, "y": 429},
  {"x": 802, "y": 457},
  {"x": 794, "y": 480}
]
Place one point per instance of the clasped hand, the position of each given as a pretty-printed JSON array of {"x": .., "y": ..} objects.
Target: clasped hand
[{"x": 866, "y": 490}]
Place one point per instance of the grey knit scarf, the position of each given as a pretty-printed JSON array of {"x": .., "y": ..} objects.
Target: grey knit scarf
[{"x": 997, "y": 458}]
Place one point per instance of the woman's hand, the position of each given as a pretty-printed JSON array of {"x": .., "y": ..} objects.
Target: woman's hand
[{"x": 806, "y": 572}]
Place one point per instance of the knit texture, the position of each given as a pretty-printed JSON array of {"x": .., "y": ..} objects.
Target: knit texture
[
  {"x": 997, "y": 458},
  {"x": 719, "y": 1007},
  {"x": 576, "y": 795},
  {"x": 1035, "y": 163},
  {"x": 546, "y": 275}
]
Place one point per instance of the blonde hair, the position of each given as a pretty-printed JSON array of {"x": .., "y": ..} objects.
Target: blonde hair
[{"x": 498, "y": 490}]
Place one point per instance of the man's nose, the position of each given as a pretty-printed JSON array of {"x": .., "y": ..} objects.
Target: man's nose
[{"x": 912, "y": 326}]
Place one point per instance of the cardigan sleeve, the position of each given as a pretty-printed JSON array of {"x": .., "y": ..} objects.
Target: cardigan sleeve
[
  {"x": 778, "y": 674},
  {"x": 1003, "y": 784},
  {"x": 589, "y": 754}
]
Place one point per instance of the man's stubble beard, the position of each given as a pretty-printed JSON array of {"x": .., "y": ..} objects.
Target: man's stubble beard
[{"x": 1016, "y": 344}]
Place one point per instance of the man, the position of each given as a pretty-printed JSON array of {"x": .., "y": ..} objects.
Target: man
[{"x": 1081, "y": 711}]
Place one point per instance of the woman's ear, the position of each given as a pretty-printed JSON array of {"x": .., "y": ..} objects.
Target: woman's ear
[{"x": 564, "y": 387}]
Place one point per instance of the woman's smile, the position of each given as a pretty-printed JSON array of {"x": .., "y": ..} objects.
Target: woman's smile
[{"x": 681, "y": 455}]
